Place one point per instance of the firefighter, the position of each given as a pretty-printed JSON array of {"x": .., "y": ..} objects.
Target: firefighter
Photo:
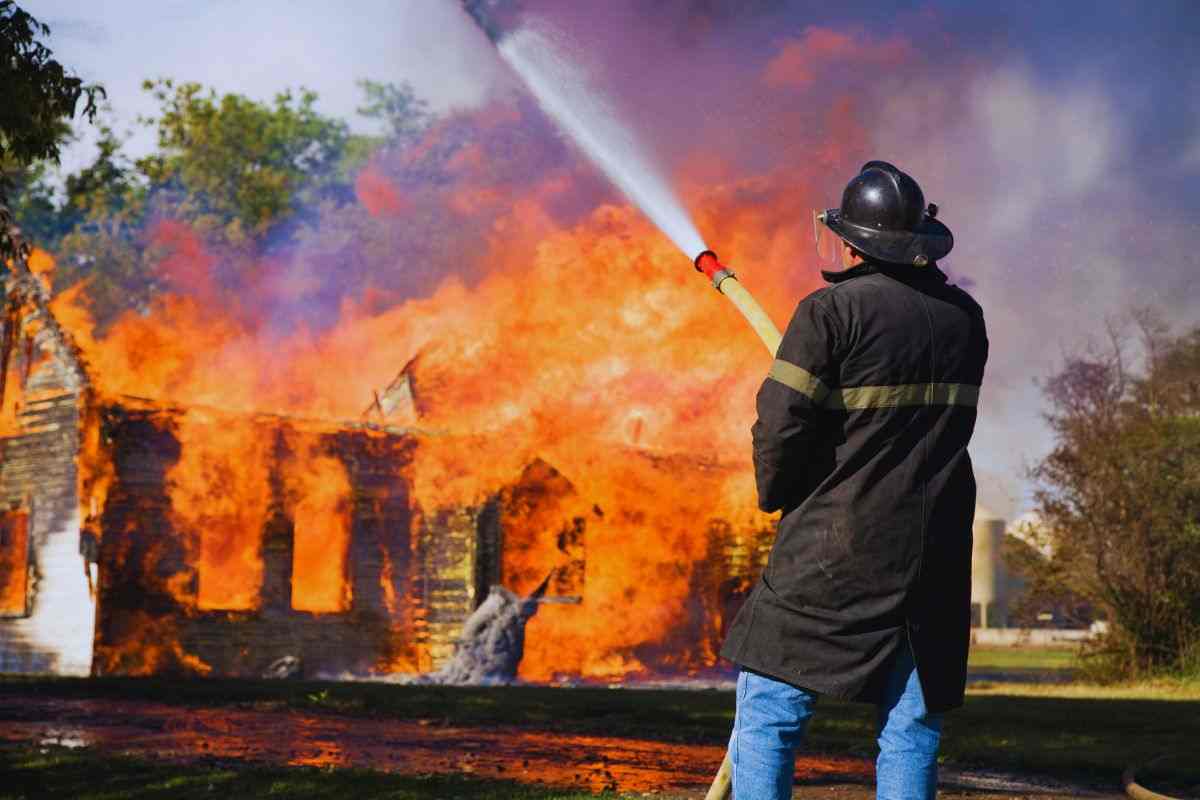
[{"x": 861, "y": 443}]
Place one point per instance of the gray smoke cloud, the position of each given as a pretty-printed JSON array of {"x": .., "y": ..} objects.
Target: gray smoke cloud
[
  {"x": 1053, "y": 224},
  {"x": 1064, "y": 164}
]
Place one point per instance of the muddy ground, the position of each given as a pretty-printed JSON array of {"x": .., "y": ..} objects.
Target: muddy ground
[{"x": 269, "y": 734}]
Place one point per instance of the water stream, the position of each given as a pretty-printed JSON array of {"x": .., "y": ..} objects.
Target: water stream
[{"x": 565, "y": 92}]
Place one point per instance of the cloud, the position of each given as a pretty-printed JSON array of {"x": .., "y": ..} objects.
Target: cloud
[
  {"x": 1046, "y": 143},
  {"x": 799, "y": 60},
  {"x": 1057, "y": 215}
]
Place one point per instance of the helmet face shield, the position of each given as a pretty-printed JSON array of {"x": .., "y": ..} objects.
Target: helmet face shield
[{"x": 828, "y": 244}]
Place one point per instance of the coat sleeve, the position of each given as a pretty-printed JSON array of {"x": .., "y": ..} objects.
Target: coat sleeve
[{"x": 790, "y": 404}]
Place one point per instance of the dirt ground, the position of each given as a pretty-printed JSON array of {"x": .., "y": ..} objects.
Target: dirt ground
[{"x": 278, "y": 736}]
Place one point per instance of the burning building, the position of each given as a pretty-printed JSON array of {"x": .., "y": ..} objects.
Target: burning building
[
  {"x": 148, "y": 536},
  {"x": 141, "y": 536}
]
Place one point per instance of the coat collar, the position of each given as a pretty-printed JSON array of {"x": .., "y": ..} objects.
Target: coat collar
[
  {"x": 865, "y": 268},
  {"x": 900, "y": 272}
]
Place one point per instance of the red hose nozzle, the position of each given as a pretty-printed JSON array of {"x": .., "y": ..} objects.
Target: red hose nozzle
[
  {"x": 716, "y": 272},
  {"x": 707, "y": 263}
]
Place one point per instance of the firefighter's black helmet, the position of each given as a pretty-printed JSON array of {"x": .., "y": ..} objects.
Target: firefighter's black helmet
[{"x": 883, "y": 215}]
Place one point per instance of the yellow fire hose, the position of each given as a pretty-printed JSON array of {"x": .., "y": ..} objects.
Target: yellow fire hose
[
  {"x": 727, "y": 284},
  {"x": 722, "y": 788},
  {"x": 732, "y": 288},
  {"x": 1135, "y": 790}
]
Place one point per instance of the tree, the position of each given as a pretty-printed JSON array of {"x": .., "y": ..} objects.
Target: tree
[
  {"x": 38, "y": 95},
  {"x": 1042, "y": 592},
  {"x": 247, "y": 176},
  {"x": 1119, "y": 495},
  {"x": 236, "y": 167},
  {"x": 405, "y": 115},
  {"x": 242, "y": 174},
  {"x": 46, "y": 210},
  {"x": 104, "y": 187},
  {"x": 32, "y": 204},
  {"x": 96, "y": 231}
]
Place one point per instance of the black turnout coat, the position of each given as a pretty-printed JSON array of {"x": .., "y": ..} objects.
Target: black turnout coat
[{"x": 861, "y": 441}]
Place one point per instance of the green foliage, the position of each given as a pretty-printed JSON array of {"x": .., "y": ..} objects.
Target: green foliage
[
  {"x": 1120, "y": 497},
  {"x": 98, "y": 231},
  {"x": 112, "y": 256},
  {"x": 38, "y": 94},
  {"x": 245, "y": 175},
  {"x": 242, "y": 173},
  {"x": 105, "y": 187},
  {"x": 98, "y": 191},
  {"x": 1041, "y": 590},
  {"x": 233, "y": 166},
  {"x": 32, "y": 203},
  {"x": 38, "y": 91},
  {"x": 405, "y": 116}
]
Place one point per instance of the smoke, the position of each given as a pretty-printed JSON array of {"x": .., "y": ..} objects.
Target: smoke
[
  {"x": 1058, "y": 177},
  {"x": 1064, "y": 165},
  {"x": 1041, "y": 183}
]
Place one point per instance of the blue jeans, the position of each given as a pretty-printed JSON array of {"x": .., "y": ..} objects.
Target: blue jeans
[{"x": 770, "y": 722}]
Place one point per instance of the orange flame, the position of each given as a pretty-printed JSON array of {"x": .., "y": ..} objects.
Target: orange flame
[
  {"x": 219, "y": 499},
  {"x": 322, "y": 531},
  {"x": 377, "y": 194}
]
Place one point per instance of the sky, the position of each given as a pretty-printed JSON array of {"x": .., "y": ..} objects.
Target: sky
[
  {"x": 261, "y": 48},
  {"x": 1062, "y": 140}
]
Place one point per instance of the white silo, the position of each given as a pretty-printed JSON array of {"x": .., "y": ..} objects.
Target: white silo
[{"x": 987, "y": 570}]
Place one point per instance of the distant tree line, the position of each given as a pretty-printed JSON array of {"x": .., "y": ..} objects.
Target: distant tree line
[
  {"x": 247, "y": 176},
  {"x": 1119, "y": 498}
]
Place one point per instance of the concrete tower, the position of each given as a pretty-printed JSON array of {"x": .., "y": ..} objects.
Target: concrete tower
[{"x": 988, "y": 601}]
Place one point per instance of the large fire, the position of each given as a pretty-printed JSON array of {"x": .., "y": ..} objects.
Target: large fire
[{"x": 590, "y": 345}]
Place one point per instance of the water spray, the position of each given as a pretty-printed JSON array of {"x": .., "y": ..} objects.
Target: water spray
[{"x": 565, "y": 93}]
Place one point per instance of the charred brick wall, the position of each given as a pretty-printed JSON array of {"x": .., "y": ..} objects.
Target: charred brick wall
[{"x": 149, "y": 619}]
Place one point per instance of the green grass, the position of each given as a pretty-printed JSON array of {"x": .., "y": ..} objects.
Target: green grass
[
  {"x": 1021, "y": 658},
  {"x": 29, "y": 772},
  {"x": 1074, "y": 738},
  {"x": 1068, "y": 731}
]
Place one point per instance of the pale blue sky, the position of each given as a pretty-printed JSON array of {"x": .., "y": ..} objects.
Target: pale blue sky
[{"x": 260, "y": 48}]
